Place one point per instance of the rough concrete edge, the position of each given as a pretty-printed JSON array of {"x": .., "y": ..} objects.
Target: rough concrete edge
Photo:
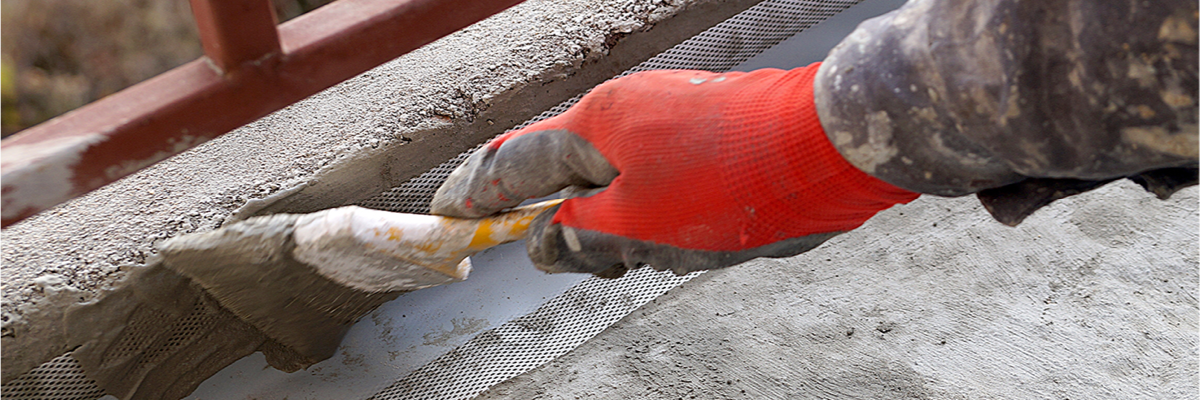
[
  {"x": 49, "y": 336},
  {"x": 374, "y": 170}
]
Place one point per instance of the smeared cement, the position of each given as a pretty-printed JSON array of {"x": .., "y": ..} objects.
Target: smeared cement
[
  {"x": 1093, "y": 297},
  {"x": 337, "y": 147},
  {"x": 404, "y": 334}
]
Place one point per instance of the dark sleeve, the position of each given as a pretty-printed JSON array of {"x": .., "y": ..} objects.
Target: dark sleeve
[{"x": 1022, "y": 102}]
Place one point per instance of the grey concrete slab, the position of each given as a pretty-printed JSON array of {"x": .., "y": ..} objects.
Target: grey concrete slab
[{"x": 1094, "y": 297}]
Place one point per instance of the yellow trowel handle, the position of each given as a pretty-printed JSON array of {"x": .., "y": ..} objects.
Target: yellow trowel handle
[{"x": 507, "y": 226}]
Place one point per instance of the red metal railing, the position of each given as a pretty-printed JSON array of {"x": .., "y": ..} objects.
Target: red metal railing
[{"x": 251, "y": 68}]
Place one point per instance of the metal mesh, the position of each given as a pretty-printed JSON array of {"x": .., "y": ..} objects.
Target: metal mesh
[
  {"x": 585, "y": 310},
  {"x": 60, "y": 378},
  {"x": 560, "y": 325}
]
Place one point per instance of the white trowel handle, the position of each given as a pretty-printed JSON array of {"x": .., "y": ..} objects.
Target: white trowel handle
[{"x": 379, "y": 251}]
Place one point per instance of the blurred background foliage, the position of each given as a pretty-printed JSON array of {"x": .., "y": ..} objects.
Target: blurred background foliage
[{"x": 61, "y": 54}]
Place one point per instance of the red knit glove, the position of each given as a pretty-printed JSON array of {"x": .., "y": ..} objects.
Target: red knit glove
[{"x": 689, "y": 170}]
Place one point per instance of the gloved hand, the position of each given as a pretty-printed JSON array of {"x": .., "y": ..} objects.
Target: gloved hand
[{"x": 681, "y": 170}]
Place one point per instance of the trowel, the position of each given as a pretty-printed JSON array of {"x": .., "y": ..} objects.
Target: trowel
[{"x": 303, "y": 279}]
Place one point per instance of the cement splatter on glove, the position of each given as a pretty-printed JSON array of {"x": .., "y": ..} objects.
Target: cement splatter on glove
[{"x": 680, "y": 170}]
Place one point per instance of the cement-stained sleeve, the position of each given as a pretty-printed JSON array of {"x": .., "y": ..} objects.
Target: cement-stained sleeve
[{"x": 953, "y": 97}]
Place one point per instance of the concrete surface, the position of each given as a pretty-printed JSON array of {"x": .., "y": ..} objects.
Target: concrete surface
[
  {"x": 337, "y": 147},
  {"x": 1094, "y": 297}
]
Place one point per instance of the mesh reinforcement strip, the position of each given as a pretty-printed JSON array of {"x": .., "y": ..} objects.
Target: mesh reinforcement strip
[
  {"x": 60, "y": 378},
  {"x": 559, "y": 325}
]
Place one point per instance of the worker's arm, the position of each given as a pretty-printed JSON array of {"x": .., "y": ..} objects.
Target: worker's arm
[
  {"x": 687, "y": 170},
  {"x": 1019, "y": 101}
]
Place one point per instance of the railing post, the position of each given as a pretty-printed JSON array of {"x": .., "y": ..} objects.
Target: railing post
[{"x": 236, "y": 31}]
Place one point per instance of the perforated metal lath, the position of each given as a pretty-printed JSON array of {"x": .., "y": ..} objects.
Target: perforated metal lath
[
  {"x": 61, "y": 378},
  {"x": 558, "y": 326},
  {"x": 565, "y": 321}
]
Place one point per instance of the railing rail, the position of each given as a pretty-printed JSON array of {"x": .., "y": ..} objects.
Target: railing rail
[{"x": 251, "y": 67}]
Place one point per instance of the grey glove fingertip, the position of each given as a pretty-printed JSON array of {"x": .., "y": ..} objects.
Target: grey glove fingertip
[
  {"x": 471, "y": 190},
  {"x": 531, "y": 165},
  {"x": 556, "y": 248}
]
